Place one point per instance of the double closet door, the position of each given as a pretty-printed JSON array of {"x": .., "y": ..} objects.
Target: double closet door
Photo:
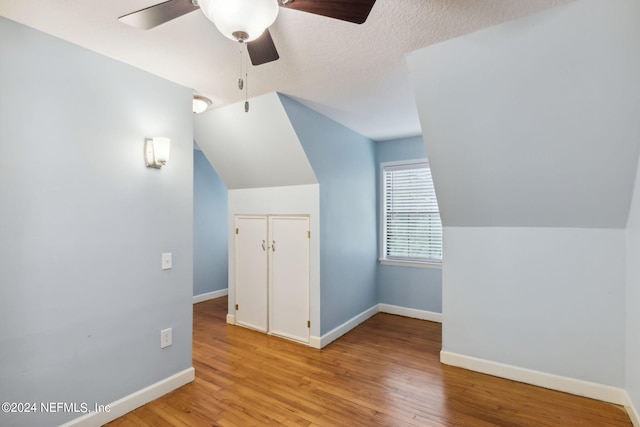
[{"x": 272, "y": 274}]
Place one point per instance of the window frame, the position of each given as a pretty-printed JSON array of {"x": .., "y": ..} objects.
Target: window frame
[{"x": 382, "y": 258}]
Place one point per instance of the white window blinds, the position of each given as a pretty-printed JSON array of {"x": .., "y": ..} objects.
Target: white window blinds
[{"x": 412, "y": 228}]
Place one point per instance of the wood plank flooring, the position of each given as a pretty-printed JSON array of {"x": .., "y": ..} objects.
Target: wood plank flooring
[{"x": 386, "y": 372}]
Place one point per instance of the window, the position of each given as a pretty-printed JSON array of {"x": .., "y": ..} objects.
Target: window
[{"x": 412, "y": 231}]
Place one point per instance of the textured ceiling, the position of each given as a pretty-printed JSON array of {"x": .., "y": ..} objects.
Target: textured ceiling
[{"x": 354, "y": 74}]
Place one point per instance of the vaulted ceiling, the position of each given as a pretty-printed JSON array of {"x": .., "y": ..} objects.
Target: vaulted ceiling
[
  {"x": 354, "y": 74},
  {"x": 534, "y": 123}
]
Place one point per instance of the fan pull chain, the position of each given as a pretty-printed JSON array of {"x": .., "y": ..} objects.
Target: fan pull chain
[
  {"x": 246, "y": 86},
  {"x": 244, "y": 83},
  {"x": 240, "y": 81}
]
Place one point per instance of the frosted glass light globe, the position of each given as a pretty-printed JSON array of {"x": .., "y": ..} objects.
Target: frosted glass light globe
[
  {"x": 251, "y": 17},
  {"x": 200, "y": 104}
]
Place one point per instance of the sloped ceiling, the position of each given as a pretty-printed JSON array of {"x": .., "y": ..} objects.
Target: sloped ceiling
[
  {"x": 256, "y": 149},
  {"x": 354, "y": 74},
  {"x": 534, "y": 122}
]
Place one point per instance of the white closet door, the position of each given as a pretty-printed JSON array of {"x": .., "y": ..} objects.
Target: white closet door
[
  {"x": 289, "y": 277},
  {"x": 251, "y": 272}
]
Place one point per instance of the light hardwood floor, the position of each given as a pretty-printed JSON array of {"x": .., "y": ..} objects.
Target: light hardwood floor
[{"x": 385, "y": 372}]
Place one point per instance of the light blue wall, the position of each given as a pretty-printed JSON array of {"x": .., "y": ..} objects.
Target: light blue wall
[
  {"x": 84, "y": 223},
  {"x": 410, "y": 287},
  {"x": 532, "y": 132},
  {"x": 632, "y": 297},
  {"x": 210, "y": 257},
  {"x": 344, "y": 163}
]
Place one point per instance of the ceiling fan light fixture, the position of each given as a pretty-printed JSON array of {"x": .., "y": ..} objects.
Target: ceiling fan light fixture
[{"x": 248, "y": 18}]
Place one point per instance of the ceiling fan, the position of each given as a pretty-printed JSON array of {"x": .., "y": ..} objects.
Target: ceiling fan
[{"x": 248, "y": 20}]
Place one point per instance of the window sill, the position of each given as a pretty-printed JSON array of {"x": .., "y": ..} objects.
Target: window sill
[{"x": 414, "y": 264}]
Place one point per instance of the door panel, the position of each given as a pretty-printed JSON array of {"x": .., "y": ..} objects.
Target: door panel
[
  {"x": 289, "y": 277},
  {"x": 251, "y": 272}
]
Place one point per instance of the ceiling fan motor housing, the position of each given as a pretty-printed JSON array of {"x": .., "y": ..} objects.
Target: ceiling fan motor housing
[{"x": 236, "y": 19}]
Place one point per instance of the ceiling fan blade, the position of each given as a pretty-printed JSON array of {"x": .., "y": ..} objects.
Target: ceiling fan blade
[
  {"x": 355, "y": 11},
  {"x": 262, "y": 50},
  {"x": 153, "y": 16}
]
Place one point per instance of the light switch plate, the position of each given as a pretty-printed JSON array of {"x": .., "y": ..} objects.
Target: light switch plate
[{"x": 167, "y": 261}]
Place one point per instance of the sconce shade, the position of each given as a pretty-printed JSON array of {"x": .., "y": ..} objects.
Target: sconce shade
[
  {"x": 241, "y": 20},
  {"x": 157, "y": 151}
]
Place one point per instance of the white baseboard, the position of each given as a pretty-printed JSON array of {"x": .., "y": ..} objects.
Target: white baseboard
[
  {"x": 632, "y": 411},
  {"x": 128, "y": 403},
  {"x": 541, "y": 379},
  {"x": 210, "y": 295},
  {"x": 231, "y": 319},
  {"x": 334, "y": 334},
  {"x": 315, "y": 342},
  {"x": 411, "y": 312},
  {"x": 329, "y": 337}
]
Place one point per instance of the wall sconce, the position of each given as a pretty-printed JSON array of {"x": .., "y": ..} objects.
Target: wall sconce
[{"x": 156, "y": 151}]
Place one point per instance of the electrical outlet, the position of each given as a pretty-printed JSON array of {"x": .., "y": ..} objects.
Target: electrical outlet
[
  {"x": 167, "y": 261},
  {"x": 165, "y": 338}
]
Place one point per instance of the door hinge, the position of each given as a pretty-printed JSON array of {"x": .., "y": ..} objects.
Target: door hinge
[
  {"x": 308, "y": 323},
  {"x": 308, "y": 234},
  {"x": 236, "y": 307},
  {"x": 237, "y": 230}
]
